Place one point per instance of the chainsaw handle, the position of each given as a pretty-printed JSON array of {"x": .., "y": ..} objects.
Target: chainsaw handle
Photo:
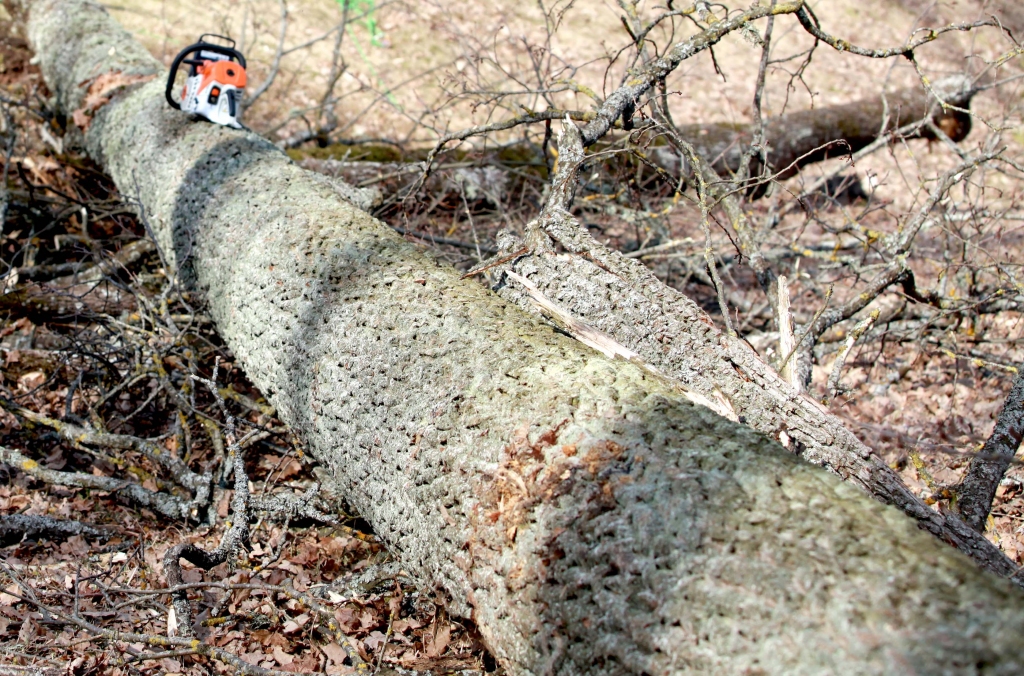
[
  {"x": 229, "y": 52},
  {"x": 200, "y": 46}
]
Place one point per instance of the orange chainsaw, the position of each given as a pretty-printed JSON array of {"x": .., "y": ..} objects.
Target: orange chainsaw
[{"x": 216, "y": 79}]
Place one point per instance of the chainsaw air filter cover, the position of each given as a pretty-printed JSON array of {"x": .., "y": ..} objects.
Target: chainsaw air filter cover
[{"x": 216, "y": 79}]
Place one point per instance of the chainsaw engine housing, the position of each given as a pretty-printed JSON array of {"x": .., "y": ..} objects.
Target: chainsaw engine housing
[{"x": 215, "y": 82}]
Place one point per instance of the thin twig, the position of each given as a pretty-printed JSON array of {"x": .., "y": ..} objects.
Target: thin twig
[{"x": 275, "y": 65}]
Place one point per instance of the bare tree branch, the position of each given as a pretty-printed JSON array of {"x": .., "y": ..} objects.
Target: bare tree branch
[
  {"x": 14, "y": 527},
  {"x": 977, "y": 490},
  {"x": 640, "y": 83},
  {"x": 275, "y": 65},
  {"x": 810, "y": 24}
]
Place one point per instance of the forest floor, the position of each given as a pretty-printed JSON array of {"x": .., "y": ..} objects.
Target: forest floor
[
  {"x": 139, "y": 346},
  {"x": 119, "y": 356}
]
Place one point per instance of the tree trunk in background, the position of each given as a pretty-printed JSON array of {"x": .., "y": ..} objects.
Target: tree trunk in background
[
  {"x": 586, "y": 515},
  {"x": 808, "y": 136},
  {"x": 794, "y": 140}
]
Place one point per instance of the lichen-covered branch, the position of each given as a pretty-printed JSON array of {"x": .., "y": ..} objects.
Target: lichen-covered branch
[
  {"x": 184, "y": 645},
  {"x": 161, "y": 503},
  {"x": 977, "y": 490},
  {"x": 199, "y": 484},
  {"x": 234, "y": 538},
  {"x": 639, "y": 83},
  {"x": 811, "y": 25},
  {"x": 14, "y": 527},
  {"x": 896, "y": 248}
]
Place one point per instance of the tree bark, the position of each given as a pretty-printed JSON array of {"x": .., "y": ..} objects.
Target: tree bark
[
  {"x": 588, "y": 517},
  {"x": 623, "y": 299}
]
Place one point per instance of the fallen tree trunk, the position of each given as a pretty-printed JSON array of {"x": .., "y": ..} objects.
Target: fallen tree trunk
[
  {"x": 79, "y": 294},
  {"x": 585, "y": 514},
  {"x": 66, "y": 302}
]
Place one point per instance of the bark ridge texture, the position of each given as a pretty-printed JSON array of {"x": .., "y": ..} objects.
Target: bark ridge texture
[
  {"x": 624, "y": 300},
  {"x": 588, "y": 517}
]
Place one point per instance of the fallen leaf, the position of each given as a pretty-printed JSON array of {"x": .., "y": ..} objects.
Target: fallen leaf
[
  {"x": 283, "y": 658},
  {"x": 436, "y": 639},
  {"x": 40, "y": 166},
  {"x": 347, "y": 619},
  {"x": 75, "y": 545},
  {"x": 269, "y": 461},
  {"x": 404, "y": 624},
  {"x": 274, "y": 640},
  {"x": 29, "y": 631},
  {"x": 305, "y": 663},
  {"x": 81, "y": 119},
  {"x": 8, "y": 422},
  {"x": 335, "y": 653},
  {"x": 290, "y": 469},
  {"x": 170, "y": 666},
  {"x": 56, "y": 460},
  {"x": 31, "y": 381},
  {"x": 374, "y": 640}
]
